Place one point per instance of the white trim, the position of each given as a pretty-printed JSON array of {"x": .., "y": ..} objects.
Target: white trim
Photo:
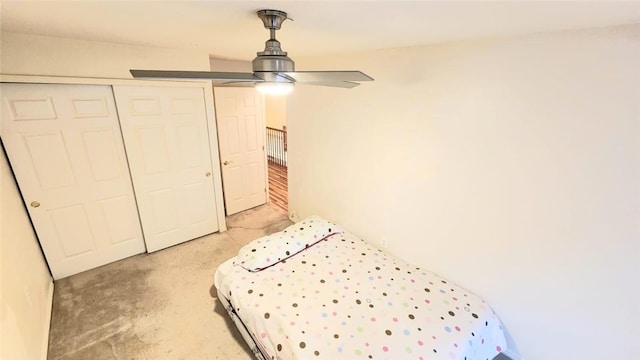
[
  {"x": 215, "y": 156},
  {"x": 47, "y": 324},
  {"x": 46, "y": 79},
  {"x": 264, "y": 148}
]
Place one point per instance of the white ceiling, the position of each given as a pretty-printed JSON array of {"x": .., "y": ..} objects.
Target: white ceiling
[{"x": 230, "y": 29}]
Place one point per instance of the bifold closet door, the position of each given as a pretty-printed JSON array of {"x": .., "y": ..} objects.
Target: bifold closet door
[
  {"x": 166, "y": 139},
  {"x": 65, "y": 148}
]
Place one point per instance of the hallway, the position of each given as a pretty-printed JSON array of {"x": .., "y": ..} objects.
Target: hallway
[{"x": 278, "y": 187}]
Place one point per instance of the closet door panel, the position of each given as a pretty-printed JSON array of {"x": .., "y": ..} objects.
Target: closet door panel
[
  {"x": 167, "y": 143},
  {"x": 65, "y": 147}
]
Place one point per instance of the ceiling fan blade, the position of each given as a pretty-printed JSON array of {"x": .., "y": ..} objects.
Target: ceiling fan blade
[
  {"x": 341, "y": 84},
  {"x": 271, "y": 66},
  {"x": 244, "y": 84},
  {"x": 195, "y": 75},
  {"x": 328, "y": 76}
]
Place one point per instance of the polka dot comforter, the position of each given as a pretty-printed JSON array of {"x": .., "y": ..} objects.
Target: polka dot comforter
[{"x": 337, "y": 297}]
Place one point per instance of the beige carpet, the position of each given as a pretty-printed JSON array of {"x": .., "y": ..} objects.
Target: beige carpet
[{"x": 156, "y": 306}]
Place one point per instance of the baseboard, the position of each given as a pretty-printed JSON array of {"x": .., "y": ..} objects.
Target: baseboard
[{"x": 47, "y": 324}]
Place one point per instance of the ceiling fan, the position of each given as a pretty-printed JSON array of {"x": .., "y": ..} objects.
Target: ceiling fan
[{"x": 273, "y": 70}]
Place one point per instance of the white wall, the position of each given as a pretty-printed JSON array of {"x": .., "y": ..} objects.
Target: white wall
[
  {"x": 26, "y": 285},
  {"x": 230, "y": 65},
  {"x": 511, "y": 167},
  {"x": 275, "y": 111},
  {"x": 42, "y": 55}
]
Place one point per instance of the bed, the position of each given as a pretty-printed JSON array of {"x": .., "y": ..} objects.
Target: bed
[{"x": 315, "y": 291}]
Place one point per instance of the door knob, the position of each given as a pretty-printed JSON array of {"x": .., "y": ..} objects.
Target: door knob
[
  {"x": 208, "y": 174},
  {"x": 227, "y": 162},
  {"x": 35, "y": 204}
]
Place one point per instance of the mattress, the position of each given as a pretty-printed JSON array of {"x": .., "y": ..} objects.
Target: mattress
[{"x": 315, "y": 291}]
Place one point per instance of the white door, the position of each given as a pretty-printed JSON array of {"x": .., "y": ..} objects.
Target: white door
[
  {"x": 167, "y": 143},
  {"x": 241, "y": 127},
  {"x": 65, "y": 148}
]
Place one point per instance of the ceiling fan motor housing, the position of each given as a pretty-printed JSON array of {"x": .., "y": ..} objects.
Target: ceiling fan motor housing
[
  {"x": 276, "y": 63},
  {"x": 272, "y": 58}
]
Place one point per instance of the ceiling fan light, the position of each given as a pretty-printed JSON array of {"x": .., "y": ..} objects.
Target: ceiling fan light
[{"x": 275, "y": 88}]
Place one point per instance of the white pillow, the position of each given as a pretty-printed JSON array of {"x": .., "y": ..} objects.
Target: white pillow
[{"x": 271, "y": 249}]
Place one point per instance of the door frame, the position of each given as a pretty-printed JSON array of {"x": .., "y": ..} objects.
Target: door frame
[{"x": 207, "y": 86}]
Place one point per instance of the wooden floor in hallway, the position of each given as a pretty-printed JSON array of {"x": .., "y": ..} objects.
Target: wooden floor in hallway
[{"x": 278, "y": 187}]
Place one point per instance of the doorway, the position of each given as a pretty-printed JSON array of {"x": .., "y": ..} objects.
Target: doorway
[
  {"x": 277, "y": 151},
  {"x": 253, "y": 148}
]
